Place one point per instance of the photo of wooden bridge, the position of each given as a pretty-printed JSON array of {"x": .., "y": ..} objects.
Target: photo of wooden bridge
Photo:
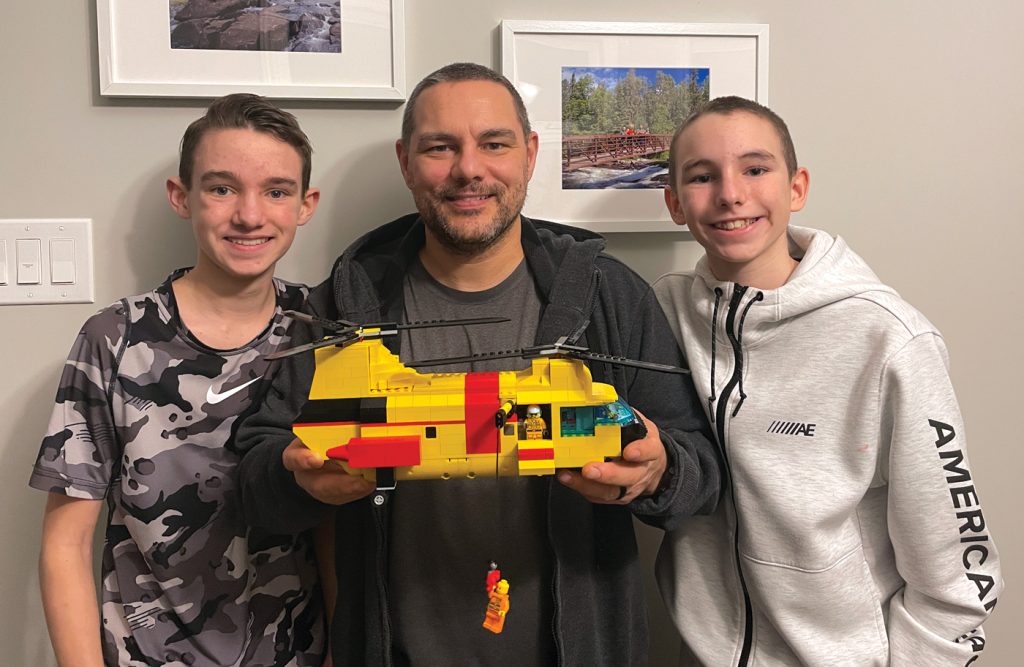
[
  {"x": 596, "y": 149},
  {"x": 617, "y": 123}
]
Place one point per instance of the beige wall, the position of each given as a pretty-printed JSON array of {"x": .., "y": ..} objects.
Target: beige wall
[{"x": 908, "y": 115}]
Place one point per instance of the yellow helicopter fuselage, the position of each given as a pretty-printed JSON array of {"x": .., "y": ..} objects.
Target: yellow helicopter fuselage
[{"x": 368, "y": 411}]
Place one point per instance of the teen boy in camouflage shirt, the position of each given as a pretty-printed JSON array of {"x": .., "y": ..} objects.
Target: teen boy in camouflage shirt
[{"x": 147, "y": 405}]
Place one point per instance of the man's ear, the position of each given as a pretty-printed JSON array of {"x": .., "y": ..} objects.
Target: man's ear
[
  {"x": 532, "y": 146},
  {"x": 177, "y": 195},
  {"x": 674, "y": 209},
  {"x": 799, "y": 186},
  {"x": 309, "y": 204},
  {"x": 403, "y": 162}
]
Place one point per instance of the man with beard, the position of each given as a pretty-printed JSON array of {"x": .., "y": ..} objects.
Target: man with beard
[{"x": 411, "y": 572}]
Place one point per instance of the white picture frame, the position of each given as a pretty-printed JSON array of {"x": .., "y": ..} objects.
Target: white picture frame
[
  {"x": 534, "y": 54},
  {"x": 136, "y": 58}
]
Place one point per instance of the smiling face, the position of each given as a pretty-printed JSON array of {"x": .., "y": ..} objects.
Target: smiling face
[
  {"x": 467, "y": 164},
  {"x": 245, "y": 202},
  {"x": 733, "y": 190}
]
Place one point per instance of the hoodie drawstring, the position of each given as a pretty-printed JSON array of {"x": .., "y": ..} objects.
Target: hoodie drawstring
[
  {"x": 714, "y": 327},
  {"x": 739, "y": 341}
]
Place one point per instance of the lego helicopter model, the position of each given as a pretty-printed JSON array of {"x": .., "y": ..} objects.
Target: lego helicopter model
[{"x": 386, "y": 421}]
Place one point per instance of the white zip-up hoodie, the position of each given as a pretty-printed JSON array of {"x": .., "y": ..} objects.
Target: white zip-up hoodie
[{"x": 851, "y": 531}]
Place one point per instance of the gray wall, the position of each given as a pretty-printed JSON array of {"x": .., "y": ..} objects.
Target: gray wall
[{"x": 908, "y": 115}]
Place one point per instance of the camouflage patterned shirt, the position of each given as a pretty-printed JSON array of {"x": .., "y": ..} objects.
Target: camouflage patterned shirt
[{"x": 145, "y": 418}]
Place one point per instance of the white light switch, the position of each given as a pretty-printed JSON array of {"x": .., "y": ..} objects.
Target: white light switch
[
  {"x": 46, "y": 261},
  {"x": 28, "y": 261},
  {"x": 62, "y": 261}
]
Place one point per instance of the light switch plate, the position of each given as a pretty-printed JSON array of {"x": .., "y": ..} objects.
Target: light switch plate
[{"x": 78, "y": 231}]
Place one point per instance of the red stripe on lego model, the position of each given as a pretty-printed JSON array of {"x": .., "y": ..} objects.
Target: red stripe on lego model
[
  {"x": 536, "y": 454},
  {"x": 481, "y": 406},
  {"x": 439, "y": 423},
  {"x": 386, "y": 452}
]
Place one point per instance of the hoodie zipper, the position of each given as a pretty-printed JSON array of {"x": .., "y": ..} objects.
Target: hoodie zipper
[
  {"x": 555, "y": 589},
  {"x": 721, "y": 411},
  {"x": 382, "y": 589}
]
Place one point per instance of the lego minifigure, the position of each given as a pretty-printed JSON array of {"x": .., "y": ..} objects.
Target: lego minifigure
[
  {"x": 497, "y": 607},
  {"x": 535, "y": 424}
]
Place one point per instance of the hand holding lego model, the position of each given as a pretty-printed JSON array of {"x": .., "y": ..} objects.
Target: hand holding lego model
[
  {"x": 324, "y": 480},
  {"x": 638, "y": 472}
]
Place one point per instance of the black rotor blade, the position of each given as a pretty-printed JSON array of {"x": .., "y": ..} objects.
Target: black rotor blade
[
  {"x": 333, "y": 325},
  {"x": 425, "y": 324},
  {"x": 316, "y": 345},
  {"x": 623, "y": 361},
  {"x": 347, "y": 331},
  {"x": 382, "y": 329},
  {"x": 481, "y": 356},
  {"x": 556, "y": 350},
  {"x": 339, "y": 325}
]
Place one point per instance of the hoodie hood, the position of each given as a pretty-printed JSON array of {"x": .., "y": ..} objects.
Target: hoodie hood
[
  {"x": 829, "y": 271},
  {"x": 370, "y": 271}
]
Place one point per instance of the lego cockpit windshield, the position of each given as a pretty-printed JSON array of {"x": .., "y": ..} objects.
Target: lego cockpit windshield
[{"x": 616, "y": 412}]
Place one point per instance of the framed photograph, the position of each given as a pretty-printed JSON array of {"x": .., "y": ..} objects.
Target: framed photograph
[
  {"x": 605, "y": 99},
  {"x": 292, "y": 49}
]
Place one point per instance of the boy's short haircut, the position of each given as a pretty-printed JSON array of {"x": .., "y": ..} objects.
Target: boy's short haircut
[
  {"x": 454, "y": 73},
  {"x": 729, "y": 105},
  {"x": 245, "y": 111}
]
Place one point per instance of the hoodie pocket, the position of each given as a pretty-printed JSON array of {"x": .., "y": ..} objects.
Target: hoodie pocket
[{"x": 827, "y": 616}]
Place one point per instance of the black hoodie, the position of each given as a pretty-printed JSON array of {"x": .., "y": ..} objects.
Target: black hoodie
[{"x": 600, "y": 613}]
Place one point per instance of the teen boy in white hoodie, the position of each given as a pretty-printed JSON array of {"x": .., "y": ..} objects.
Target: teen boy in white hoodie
[{"x": 851, "y": 532}]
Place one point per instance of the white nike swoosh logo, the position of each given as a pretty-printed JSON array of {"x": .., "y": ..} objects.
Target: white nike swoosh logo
[{"x": 213, "y": 397}]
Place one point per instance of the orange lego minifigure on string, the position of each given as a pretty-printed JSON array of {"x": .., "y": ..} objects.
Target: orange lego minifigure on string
[{"x": 497, "y": 607}]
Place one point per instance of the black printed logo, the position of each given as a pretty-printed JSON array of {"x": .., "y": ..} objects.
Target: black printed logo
[{"x": 792, "y": 428}]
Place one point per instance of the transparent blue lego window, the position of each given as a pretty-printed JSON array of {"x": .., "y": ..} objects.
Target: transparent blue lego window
[
  {"x": 577, "y": 421},
  {"x": 615, "y": 413},
  {"x": 581, "y": 421}
]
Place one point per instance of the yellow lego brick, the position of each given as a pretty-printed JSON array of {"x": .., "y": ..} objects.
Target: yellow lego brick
[
  {"x": 453, "y": 439},
  {"x": 536, "y": 468}
]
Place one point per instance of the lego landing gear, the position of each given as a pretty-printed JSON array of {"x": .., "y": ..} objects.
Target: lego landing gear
[{"x": 385, "y": 483}]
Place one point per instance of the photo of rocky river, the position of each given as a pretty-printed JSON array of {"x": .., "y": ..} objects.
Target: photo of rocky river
[{"x": 312, "y": 26}]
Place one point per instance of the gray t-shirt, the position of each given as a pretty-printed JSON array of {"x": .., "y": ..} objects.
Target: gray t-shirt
[
  {"x": 443, "y": 533},
  {"x": 145, "y": 418}
]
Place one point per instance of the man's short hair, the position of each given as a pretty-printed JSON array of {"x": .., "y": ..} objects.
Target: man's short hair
[
  {"x": 728, "y": 105},
  {"x": 454, "y": 73},
  {"x": 245, "y": 111}
]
